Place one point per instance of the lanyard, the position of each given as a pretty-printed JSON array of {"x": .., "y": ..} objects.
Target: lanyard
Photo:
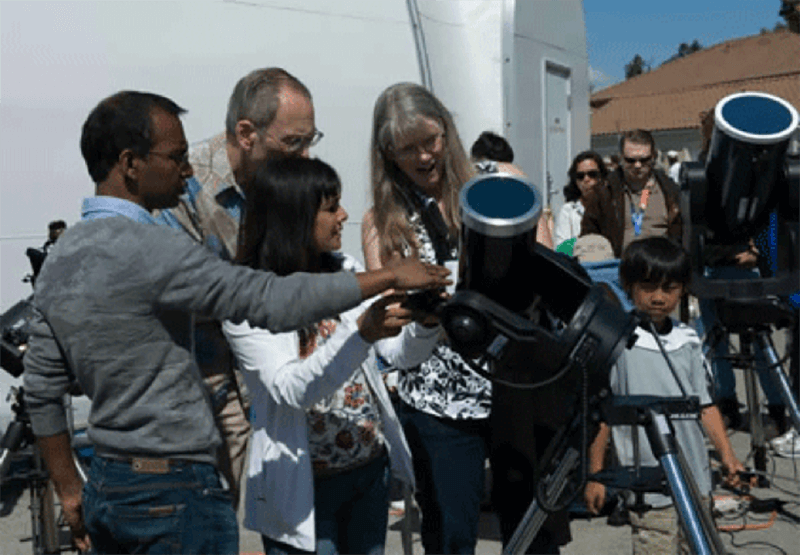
[{"x": 637, "y": 213}]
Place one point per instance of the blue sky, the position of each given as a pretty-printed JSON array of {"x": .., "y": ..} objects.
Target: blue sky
[{"x": 617, "y": 30}]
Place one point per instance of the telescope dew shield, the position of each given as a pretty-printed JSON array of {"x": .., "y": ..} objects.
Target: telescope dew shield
[
  {"x": 745, "y": 162},
  {"x": 499, "y": 213},
  {"x": 503, "y": 271}
]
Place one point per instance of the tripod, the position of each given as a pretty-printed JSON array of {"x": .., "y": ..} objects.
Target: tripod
[
  {"x": 752, "y": 321},
  {"x": 18, "y": 435},
  {"x": 654, "y": 414}
]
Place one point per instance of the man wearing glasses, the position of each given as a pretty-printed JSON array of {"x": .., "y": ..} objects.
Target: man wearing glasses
[
  {"x": 638, "y": 202},
  {"x": 270, "y": 114}
]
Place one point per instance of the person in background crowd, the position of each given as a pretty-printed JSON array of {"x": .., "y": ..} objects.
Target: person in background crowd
[
  {"x": 324, "y": 427},
  {"x": 586, "y": 172},
  {"x": 37, "y": 256},
  {"x": 114, "y": 303},
  {"x": 418, "y": 167},
  {"x": 54, "y": 231},
  {"x": 639, "y": 201},
  {"x": 674, "y": 165},
  {"x": 270, "y": 115},
  {"x": 612, "y": 162},
  {"x": 491, "y": 153}
]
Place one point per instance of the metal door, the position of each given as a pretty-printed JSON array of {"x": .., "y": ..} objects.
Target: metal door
[{"x": 558, "y": 154}]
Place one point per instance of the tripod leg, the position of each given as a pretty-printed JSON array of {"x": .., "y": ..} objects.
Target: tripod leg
[
  {"x": 11, "y": 442},
  {"x": 44, "y": 525},
  {"x": 405, "y": 531},
  {"x": 49, "y": 520},
  {"x": 535, "y": 516},
  {"x": 757, "y": 437},
  {"x": 695, "y": 522},
  {"x": 778, "y": 376}
]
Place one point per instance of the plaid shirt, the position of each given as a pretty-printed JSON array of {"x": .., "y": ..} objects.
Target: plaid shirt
[{"x": 211, "y": 208}]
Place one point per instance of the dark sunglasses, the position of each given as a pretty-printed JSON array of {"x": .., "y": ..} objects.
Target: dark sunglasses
[
  {"x": 594, "y": 174},
  {"x": 643, "y": 161}
]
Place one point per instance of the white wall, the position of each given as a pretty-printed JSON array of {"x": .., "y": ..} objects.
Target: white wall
[
  {"x": 463, "y": 43},
  {"x": 60, "y": 58},
  {"x": 537, "y": 33}
]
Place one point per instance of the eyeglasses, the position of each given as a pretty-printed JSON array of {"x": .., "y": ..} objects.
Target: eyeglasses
[
  {"x": 431, "y": 145},
  {"x": 645, "y": 160},
  {"x": 295, "y": 144},
  {"x": 180, "y": 158},
  {"x": 593, "y": 174}
]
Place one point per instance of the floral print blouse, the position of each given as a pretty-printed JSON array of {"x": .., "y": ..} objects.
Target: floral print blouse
[
  {"x": 344, "y": 429},
  {"x": 444, "y": 385}
]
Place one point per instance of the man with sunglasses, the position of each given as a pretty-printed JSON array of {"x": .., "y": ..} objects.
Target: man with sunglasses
[
  {"x": 270, "y": 114},
  {"x": 639, "y": 201}
]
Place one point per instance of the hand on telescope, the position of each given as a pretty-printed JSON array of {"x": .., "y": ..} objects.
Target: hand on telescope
[
  {"x": 426, "y": 317},
  {"x": 384, "y": 318},
  {"x": 402, "y": 274},
  {"x": 595, "y": 497},
  {"x": 411, "y": 273}
]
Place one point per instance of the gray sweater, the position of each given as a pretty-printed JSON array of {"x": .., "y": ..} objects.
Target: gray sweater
[{"x": 115, "y": 299}]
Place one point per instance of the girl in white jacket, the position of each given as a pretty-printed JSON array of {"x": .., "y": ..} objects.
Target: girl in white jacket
[{"x": 325, "y": 435}]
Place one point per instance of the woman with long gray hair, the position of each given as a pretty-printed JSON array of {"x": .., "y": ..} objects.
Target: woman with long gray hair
[{"x": 418, "y": 166}]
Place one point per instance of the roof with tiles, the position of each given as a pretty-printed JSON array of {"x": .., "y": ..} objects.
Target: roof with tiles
[{"x": 672, "y": 96}]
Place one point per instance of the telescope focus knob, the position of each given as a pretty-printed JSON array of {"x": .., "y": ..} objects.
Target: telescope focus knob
[{"x": 466, "y": 330}]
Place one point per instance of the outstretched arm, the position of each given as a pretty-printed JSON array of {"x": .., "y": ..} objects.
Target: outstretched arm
[{"x": 298, "y": 379}]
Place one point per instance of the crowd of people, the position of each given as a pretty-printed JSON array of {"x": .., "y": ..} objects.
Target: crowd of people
[{"x": 229, "y": 347}]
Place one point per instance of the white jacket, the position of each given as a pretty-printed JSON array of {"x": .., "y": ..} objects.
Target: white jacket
[
  {"x": 568, "y": 222},
  {"x": 279, "y": 489}
]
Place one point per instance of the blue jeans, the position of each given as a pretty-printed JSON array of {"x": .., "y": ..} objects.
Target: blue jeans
[
  {"x": 182, "y": 511},
  {"x": 351, "y": 513},
  {"x": 351, "y": 510},
  {"x": 449, "y": 460}
]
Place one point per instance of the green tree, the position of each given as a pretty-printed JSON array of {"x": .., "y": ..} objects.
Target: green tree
[
  {"x": 636, "y": 66},
  {"x": 685, "y": 49},
  {"x": 779, "y": 26}
]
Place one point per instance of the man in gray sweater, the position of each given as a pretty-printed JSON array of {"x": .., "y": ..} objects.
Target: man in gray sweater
[{"x": 114, "y": 301}]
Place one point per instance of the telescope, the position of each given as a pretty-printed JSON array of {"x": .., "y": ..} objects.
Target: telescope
[
  {"x": 518, "y": 302},
  {"x": 746, "y": 180},
  {"x": 15, "y": 322},
  {"x": 550, "y": 336}
]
